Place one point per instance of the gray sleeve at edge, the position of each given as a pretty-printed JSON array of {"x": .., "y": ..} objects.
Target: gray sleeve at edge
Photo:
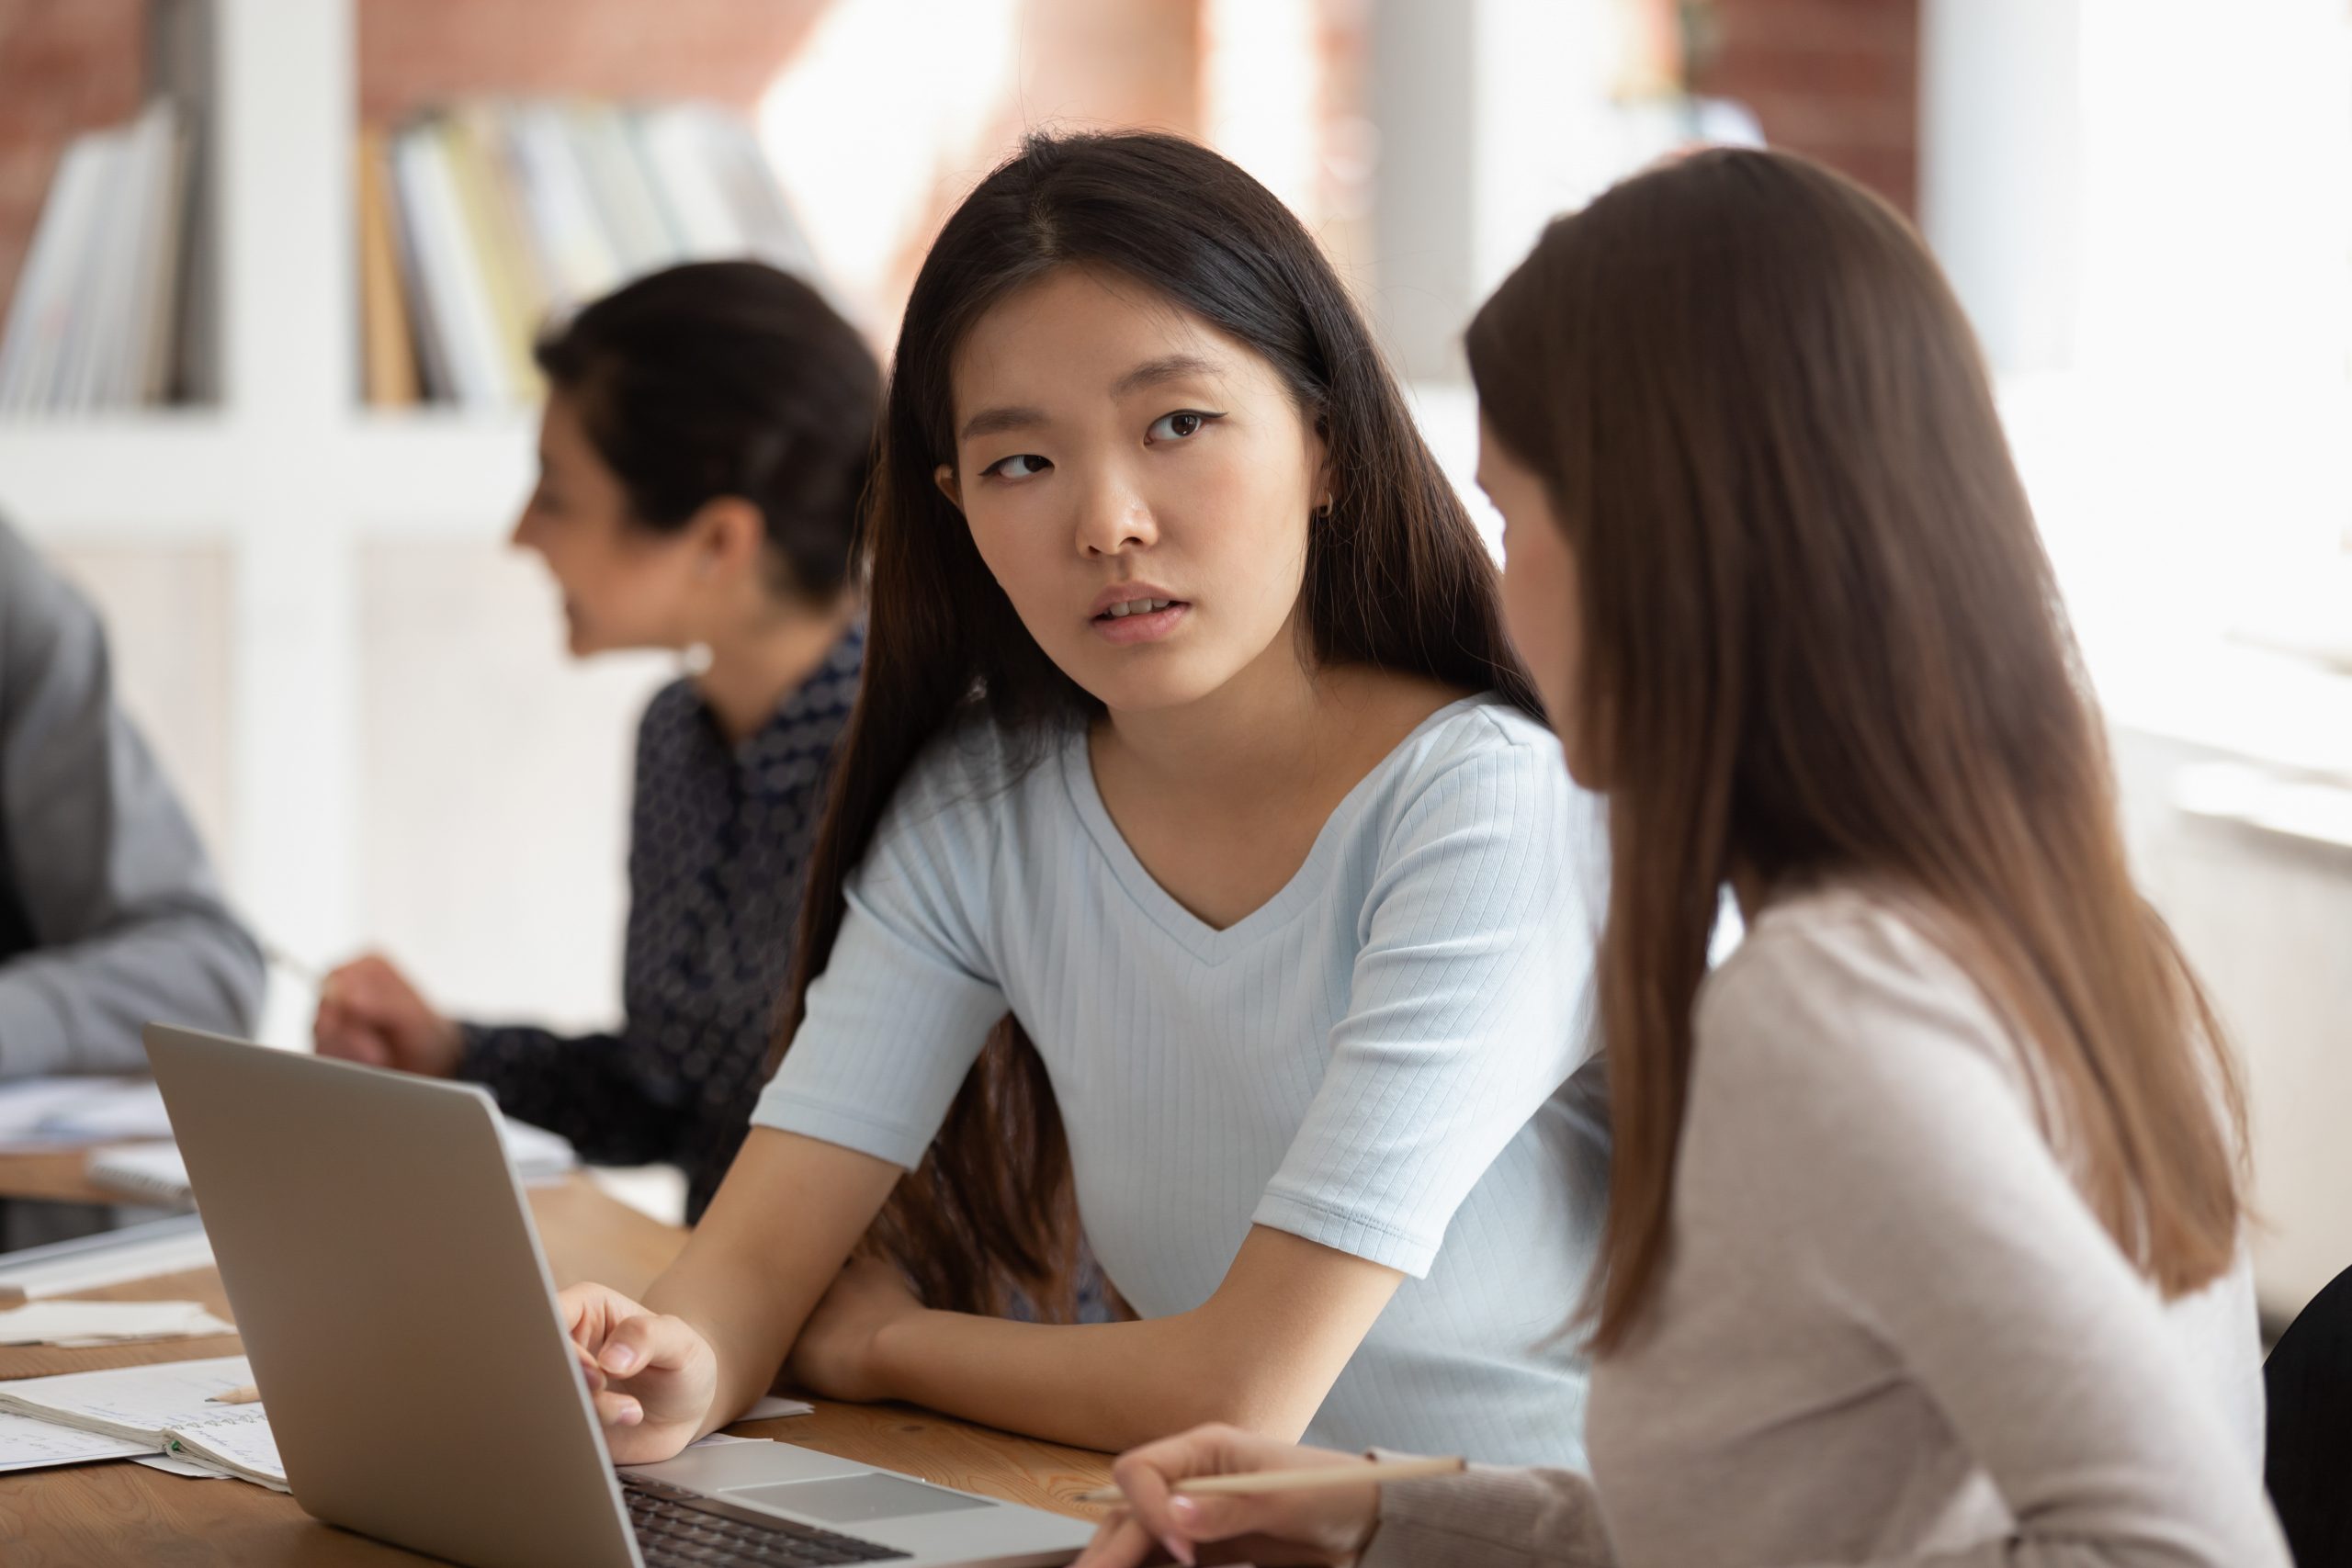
[{"x": 125, "y": 922}]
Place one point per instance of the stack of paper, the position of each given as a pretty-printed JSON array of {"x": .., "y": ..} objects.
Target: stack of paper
[
  {"x": 80, "y": 1324},
  {"x": 45, "y": 1112},
  {"x": 27, "y": 1444},
  {"x": 167, "y": 1409},
  {"x": 134, "y": 1252}
]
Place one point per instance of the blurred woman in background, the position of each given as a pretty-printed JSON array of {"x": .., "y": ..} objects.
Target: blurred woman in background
[{"x": 702, "y": 455}]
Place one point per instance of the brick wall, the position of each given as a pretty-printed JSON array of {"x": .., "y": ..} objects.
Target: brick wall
[
  {"x": 1084, "y": 64},
  {"x": 66, "y": 66},
  {"x": 416, "y": 53},
  {"x": 1837, "y": 80}
]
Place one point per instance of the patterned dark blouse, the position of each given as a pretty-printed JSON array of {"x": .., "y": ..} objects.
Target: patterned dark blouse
[{"x": 719, "y": 843}]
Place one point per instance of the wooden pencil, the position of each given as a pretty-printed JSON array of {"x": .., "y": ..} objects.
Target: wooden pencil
[{"x": 1256, "y": 1482}]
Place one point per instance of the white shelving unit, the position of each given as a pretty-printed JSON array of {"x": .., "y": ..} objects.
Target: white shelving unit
[{"x": 289, "y": 474}]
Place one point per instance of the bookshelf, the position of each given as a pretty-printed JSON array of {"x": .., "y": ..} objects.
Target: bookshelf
[{"x": 287, "y": 473}]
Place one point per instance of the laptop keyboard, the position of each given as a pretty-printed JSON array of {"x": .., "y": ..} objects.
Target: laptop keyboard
[{"x": 678, "y": 1529}]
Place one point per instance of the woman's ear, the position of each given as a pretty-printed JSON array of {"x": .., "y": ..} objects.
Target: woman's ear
[
  {"x": 1325, "y": 491},
  {"x": 729, "y": 535},
  {"x": 944, "y": 477}
]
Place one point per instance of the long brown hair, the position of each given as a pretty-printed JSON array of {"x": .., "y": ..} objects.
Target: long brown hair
[
  {"x": 1395, "y": 577},
  {"x": 1820, "y": 637}
]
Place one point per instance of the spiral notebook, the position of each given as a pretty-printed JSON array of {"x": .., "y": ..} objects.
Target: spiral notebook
[{"x": 151, "y": 1172}]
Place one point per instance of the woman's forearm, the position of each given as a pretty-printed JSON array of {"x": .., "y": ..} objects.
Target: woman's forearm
[
  {"x": 740, "y": 1313},
  {"x": 1260, "y": 1354},
  {"x": 1095, "y": 1385},
  {"x": 748, "y": 1283}
]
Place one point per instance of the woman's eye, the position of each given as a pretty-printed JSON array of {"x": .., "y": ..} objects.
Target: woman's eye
[
  {"x": 1020, "y": 465},
  {"x": 1179, "y": 426}
]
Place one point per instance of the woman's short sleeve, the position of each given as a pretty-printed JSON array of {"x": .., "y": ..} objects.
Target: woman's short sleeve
[{"x": 905, "y": 1002}]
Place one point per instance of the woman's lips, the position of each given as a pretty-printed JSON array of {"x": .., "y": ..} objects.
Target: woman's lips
[{"x": 1149, "y": 626}]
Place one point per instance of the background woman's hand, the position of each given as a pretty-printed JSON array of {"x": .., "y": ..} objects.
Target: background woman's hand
[
  {"x": 652, "y": 1376},
  {"x": 368, "y": 1013},
  {"x": 1329, "y": 1525},
  {"x": 834, "y": 1357}
]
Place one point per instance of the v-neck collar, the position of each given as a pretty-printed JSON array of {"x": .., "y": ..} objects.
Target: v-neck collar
[{"x": 1214, "y": 944}]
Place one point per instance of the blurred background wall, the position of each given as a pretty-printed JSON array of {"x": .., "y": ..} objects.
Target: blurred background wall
[{"x": 2145, "y": 204}]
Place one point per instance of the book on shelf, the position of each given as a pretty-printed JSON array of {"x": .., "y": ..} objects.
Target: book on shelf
[
  {"x": 388, "y": 354},
  {"x": 498, "y": 217},
  {"x": 99, "y": 306}
]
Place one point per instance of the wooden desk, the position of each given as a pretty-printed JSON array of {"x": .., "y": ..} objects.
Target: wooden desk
[{"x": 117, "y": 1512}]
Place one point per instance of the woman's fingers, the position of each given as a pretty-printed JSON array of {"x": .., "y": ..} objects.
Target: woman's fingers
[
  {"x": 619, "y": 1339},
  {"x": 335, "y": 1032},
  {"x": 1223, "y": 1518},
  {"x": 1120, "y": 1541},
  {"x": 1321, "y": 1524},
  {"x": 617, "y": 1409},
  {"x": 648, "y": 1340},
  {"x": 598, "y": 1319},
  {"x": 1140, "y": 1475}
]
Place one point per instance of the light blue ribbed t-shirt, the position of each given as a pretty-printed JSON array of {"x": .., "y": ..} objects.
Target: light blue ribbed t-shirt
[{"x": 1378, "y": 1059}]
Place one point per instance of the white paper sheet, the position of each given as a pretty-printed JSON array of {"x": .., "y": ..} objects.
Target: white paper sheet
[
  {"x": 43, "y": 1112},
  {"x": 163, "y": 1409},
  {"x": 72, "y": 1322},
  {"x": 137, "y": 1402},
  {"x": 27, "y": 1444},
  {"x": 135, "y": 1252}
]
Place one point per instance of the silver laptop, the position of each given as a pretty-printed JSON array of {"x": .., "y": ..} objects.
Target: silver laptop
[{"x": 404, "y": 1336}]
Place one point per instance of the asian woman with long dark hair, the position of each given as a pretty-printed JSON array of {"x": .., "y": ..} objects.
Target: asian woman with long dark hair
[{"x": 1198, "y": 863}]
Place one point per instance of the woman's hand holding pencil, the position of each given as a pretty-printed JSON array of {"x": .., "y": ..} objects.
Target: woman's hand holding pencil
[{"x": 1221, "y": 1495}]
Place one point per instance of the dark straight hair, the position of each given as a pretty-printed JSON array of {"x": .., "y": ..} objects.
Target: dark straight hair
[
  {"x": 1395, "y": 577},
  {"x": 1820, "y": 638},
  {"x": 729, "y": 379}
]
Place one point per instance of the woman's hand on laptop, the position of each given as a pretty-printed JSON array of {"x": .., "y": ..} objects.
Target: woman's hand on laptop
[{"x": 652, "y": 1376}]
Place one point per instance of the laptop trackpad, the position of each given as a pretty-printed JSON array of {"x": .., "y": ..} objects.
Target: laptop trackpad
[{"x": 854, "y": 1499}]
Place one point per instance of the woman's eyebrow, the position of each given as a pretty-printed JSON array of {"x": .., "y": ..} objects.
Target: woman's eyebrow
[
  {"x": 997, "y": 420},
  {"x": 1151, "y": 373},
  {"x": 1167, "y": 368}
]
